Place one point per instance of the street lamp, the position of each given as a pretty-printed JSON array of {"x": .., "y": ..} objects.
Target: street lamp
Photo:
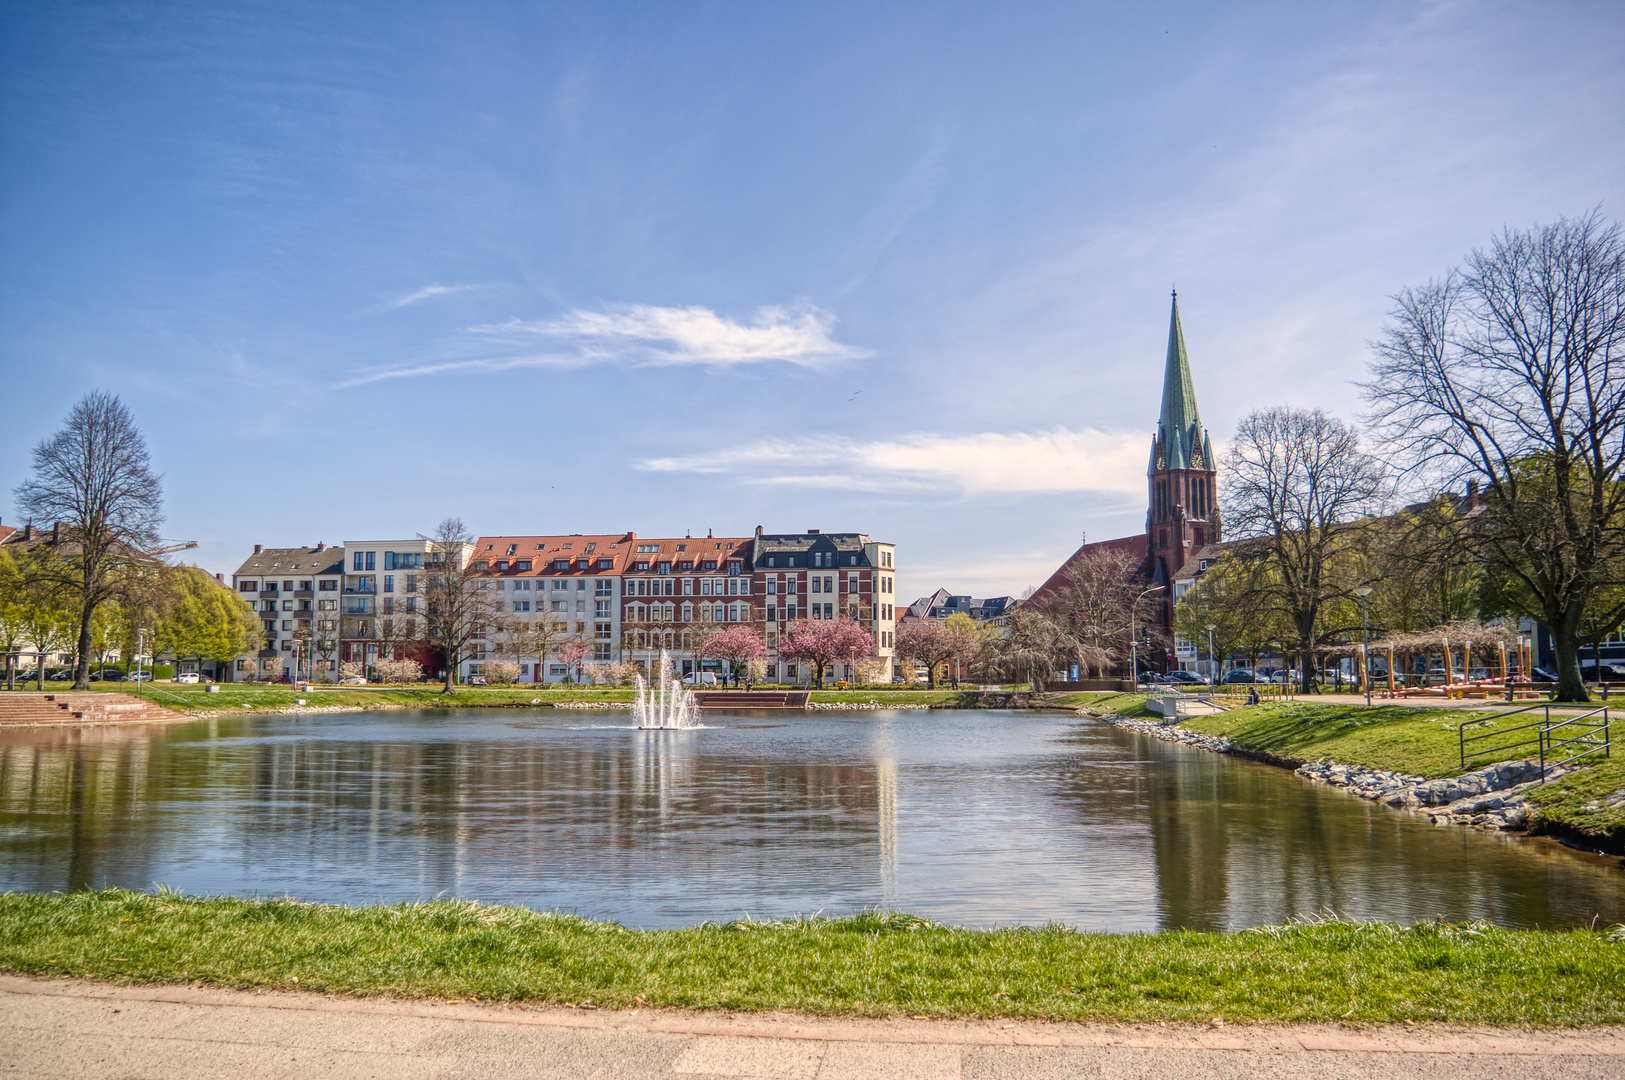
[
  {"x": 140, "y": 650},
  {"x": 1134, "y": 637},
  {"x": 1365, "y": 642},
  {"x": 1214, "y": 660}
]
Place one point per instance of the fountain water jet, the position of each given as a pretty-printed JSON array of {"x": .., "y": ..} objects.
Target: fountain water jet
[{"x": 665, "y": 706}]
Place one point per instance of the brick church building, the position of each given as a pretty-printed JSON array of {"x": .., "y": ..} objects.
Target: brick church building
[{"x": 1182, "y": 509}]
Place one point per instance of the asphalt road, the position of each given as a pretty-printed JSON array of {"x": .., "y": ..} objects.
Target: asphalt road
[{"x": 76, "y": 1029}]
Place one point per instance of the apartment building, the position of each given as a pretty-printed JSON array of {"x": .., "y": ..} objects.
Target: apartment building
[
  {"x": 818, "y": 575},
  {"x": 571, "y": 583},
  {"x": 624, "y": 596},
  {"x": 296, "y": 593},
  {"x": 676, "y": 590},
  {"x": 378, "y": 609}
]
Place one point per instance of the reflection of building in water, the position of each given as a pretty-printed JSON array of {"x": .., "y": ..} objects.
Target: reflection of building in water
[
  {"x": 886, "y": 817},
  {"x": 1191, "y": 849}
]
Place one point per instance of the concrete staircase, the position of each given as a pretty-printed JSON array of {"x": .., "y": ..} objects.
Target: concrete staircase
[
  {"x": 81, "y": 708},
  {"x": 752, "y": 699}
]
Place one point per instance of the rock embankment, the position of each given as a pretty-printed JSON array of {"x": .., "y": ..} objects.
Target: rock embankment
[
  {"x": 1487, "y": 798},
  {"x": 1168, "y": 731}
]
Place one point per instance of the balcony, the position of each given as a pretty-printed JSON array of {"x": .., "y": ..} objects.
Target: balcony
[
  {"x": 357, "y": 590},
  {"x": 357, "y": 607},
  {"x": 303, "y": 594},
  {"x": 269, "y": 594}
]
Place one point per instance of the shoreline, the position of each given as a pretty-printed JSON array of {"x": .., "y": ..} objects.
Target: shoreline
[{"x": 1490, "y": 799}]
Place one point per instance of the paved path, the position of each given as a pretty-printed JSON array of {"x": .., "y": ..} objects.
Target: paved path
[{"x": 77, "y": 1029}]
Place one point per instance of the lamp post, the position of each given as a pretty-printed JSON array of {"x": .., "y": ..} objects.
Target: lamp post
[
  {"x": 140, "y": 650},
  {"x": 1133, "y": 635},
  {"x": 1365, "y": 642},
  {"x": 1214, "y": 660}
]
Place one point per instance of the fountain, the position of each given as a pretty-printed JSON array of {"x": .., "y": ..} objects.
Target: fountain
[{"x": 665, "y": 706}]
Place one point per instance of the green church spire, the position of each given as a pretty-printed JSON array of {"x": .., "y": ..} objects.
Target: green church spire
[{"x": 1180, "y": 428}]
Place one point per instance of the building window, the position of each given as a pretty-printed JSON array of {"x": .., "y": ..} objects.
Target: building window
[
  {"x": 561, "y": 605},
  {"x": 604, "y": 587},
  {"x": 327, "y": 585},
  {"x": 521, "y": 605},
  {"x": 248, "y": 586},
  {"x": 733, "y": 567},
  {"x": 648, "y": 549}
]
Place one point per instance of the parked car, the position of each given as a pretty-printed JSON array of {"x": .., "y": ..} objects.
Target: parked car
[
  {"x": 1186, "y": 678},
  {"x": 108, "y": 674},
  {"x": 62, "y": 675},
  {"x": 140, "y": 676},
  {"x": 700, "y": 678},
  {"x": 1602, "y": 673},
  {"x": 189, "y": 678},
  {"x": 1153, "y": 678},
  {"x": 1540, "y": 674},
  {"x": 1281, "y": 676},
  {"x": 1243, "y": 675},
  {"x": 358, "y": 680}
]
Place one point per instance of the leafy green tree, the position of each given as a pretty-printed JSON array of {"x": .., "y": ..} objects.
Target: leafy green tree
[{"x": 204, "y": 621}]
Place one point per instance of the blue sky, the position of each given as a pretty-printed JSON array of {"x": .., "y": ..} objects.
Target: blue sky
[{"x": 899, "y": 268}]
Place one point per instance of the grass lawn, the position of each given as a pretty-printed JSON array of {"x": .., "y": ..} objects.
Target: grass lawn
[
  {"x": 871, "y": 965},
  {"x": 1576, "y": 800},
  {"x": 1397, "y": 737}
]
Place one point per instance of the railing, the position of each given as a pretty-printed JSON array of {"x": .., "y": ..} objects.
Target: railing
[{"x": 1590, "y": 737}]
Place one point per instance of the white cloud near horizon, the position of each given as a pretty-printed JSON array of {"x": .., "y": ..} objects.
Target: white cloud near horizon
[
  {"x": 646, "y": 334},
  {"x": 427, "y": 292},
  {"x": 981, "y": 463}
]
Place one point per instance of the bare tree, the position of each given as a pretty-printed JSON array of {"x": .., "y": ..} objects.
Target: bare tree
[
  {"x": 1096, "y": 606},
  {"x": 1298, "y": 481},
  {"x": 1510, "y": 371},
  {"x": 93, "y": 477},
  {"x": 458, "y": 604},
  {"x": 1031, "y": 647}
]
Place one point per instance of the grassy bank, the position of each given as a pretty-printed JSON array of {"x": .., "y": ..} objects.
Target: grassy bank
[
  {"x": 1424, "y": 742},
  {"x": 1397, "y": 737},
  {"x": 874, "y": 965}
]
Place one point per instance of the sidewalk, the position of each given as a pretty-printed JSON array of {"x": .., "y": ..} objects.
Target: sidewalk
[{"x": 79, "y": 1029}]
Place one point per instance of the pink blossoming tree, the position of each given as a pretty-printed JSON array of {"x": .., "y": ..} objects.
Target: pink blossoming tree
[{"x": 823, "y": 642}]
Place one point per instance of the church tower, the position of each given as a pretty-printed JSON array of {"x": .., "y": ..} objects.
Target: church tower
[{"x": 1183, "y": 482}]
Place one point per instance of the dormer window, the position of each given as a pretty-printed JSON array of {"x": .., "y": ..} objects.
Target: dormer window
[
  {"x": 561, "y": 564},
  {"x": 502, "y": 564},
  {"x": 606, "y": 564},
  {"x": 522, "y": 564},
  {"x": 665, "y": 568}
]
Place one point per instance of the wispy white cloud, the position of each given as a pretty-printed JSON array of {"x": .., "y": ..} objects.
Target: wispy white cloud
[
  {"x": 429, "y": 292},
  {"x": 971, "y": 464},
  {"x": 483, "y": 365},
  {"x": 639, "y": 335},
  {"x": 645, "y": 334}
]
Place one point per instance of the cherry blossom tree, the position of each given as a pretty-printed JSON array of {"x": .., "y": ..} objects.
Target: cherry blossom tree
[
  {"x": 736, "y": 643},
  {"x": 571, "y": 654},
  {"x": 932, "y": 642},
  {"x": 823, "y": 642}
]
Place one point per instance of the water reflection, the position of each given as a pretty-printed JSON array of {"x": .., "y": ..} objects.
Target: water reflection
[{"x": 975, "y": 818}]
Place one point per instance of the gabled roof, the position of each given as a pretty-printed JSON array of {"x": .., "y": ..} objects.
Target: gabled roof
[
  {"x": 695, "y": 549},
  {"x": 300, "y": 560},
  {"x": 807, "y": 542},
  {"x": 1137, "y": 546},
  {"x": 582, "y": 552}
]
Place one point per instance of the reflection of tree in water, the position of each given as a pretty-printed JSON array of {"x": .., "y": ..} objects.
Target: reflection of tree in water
[{"x": 87, "y": 807}]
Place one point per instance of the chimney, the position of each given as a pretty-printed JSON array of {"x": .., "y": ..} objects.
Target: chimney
[
  {"x": 812, "y": 532},
  {"x": 221, "y": 578},
  {"x": 320, "y": 546},
  {"x": 258, "y": 548},
  {"x": 1472, "y": 495},
  {"x": 28, "y": 531},
  {"x": 56, "y": 532}
]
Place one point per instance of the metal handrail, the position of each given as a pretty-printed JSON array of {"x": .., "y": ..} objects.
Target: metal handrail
[
  {"x": 1463, "y": 738},
  {"x": 1589, "y": 740}
]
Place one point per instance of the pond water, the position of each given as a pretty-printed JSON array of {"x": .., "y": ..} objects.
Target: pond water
[{"x": 974, "y": 818}]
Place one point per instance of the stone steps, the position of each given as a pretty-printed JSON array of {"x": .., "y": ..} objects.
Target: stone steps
[{"x": 80, "y": 708}]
